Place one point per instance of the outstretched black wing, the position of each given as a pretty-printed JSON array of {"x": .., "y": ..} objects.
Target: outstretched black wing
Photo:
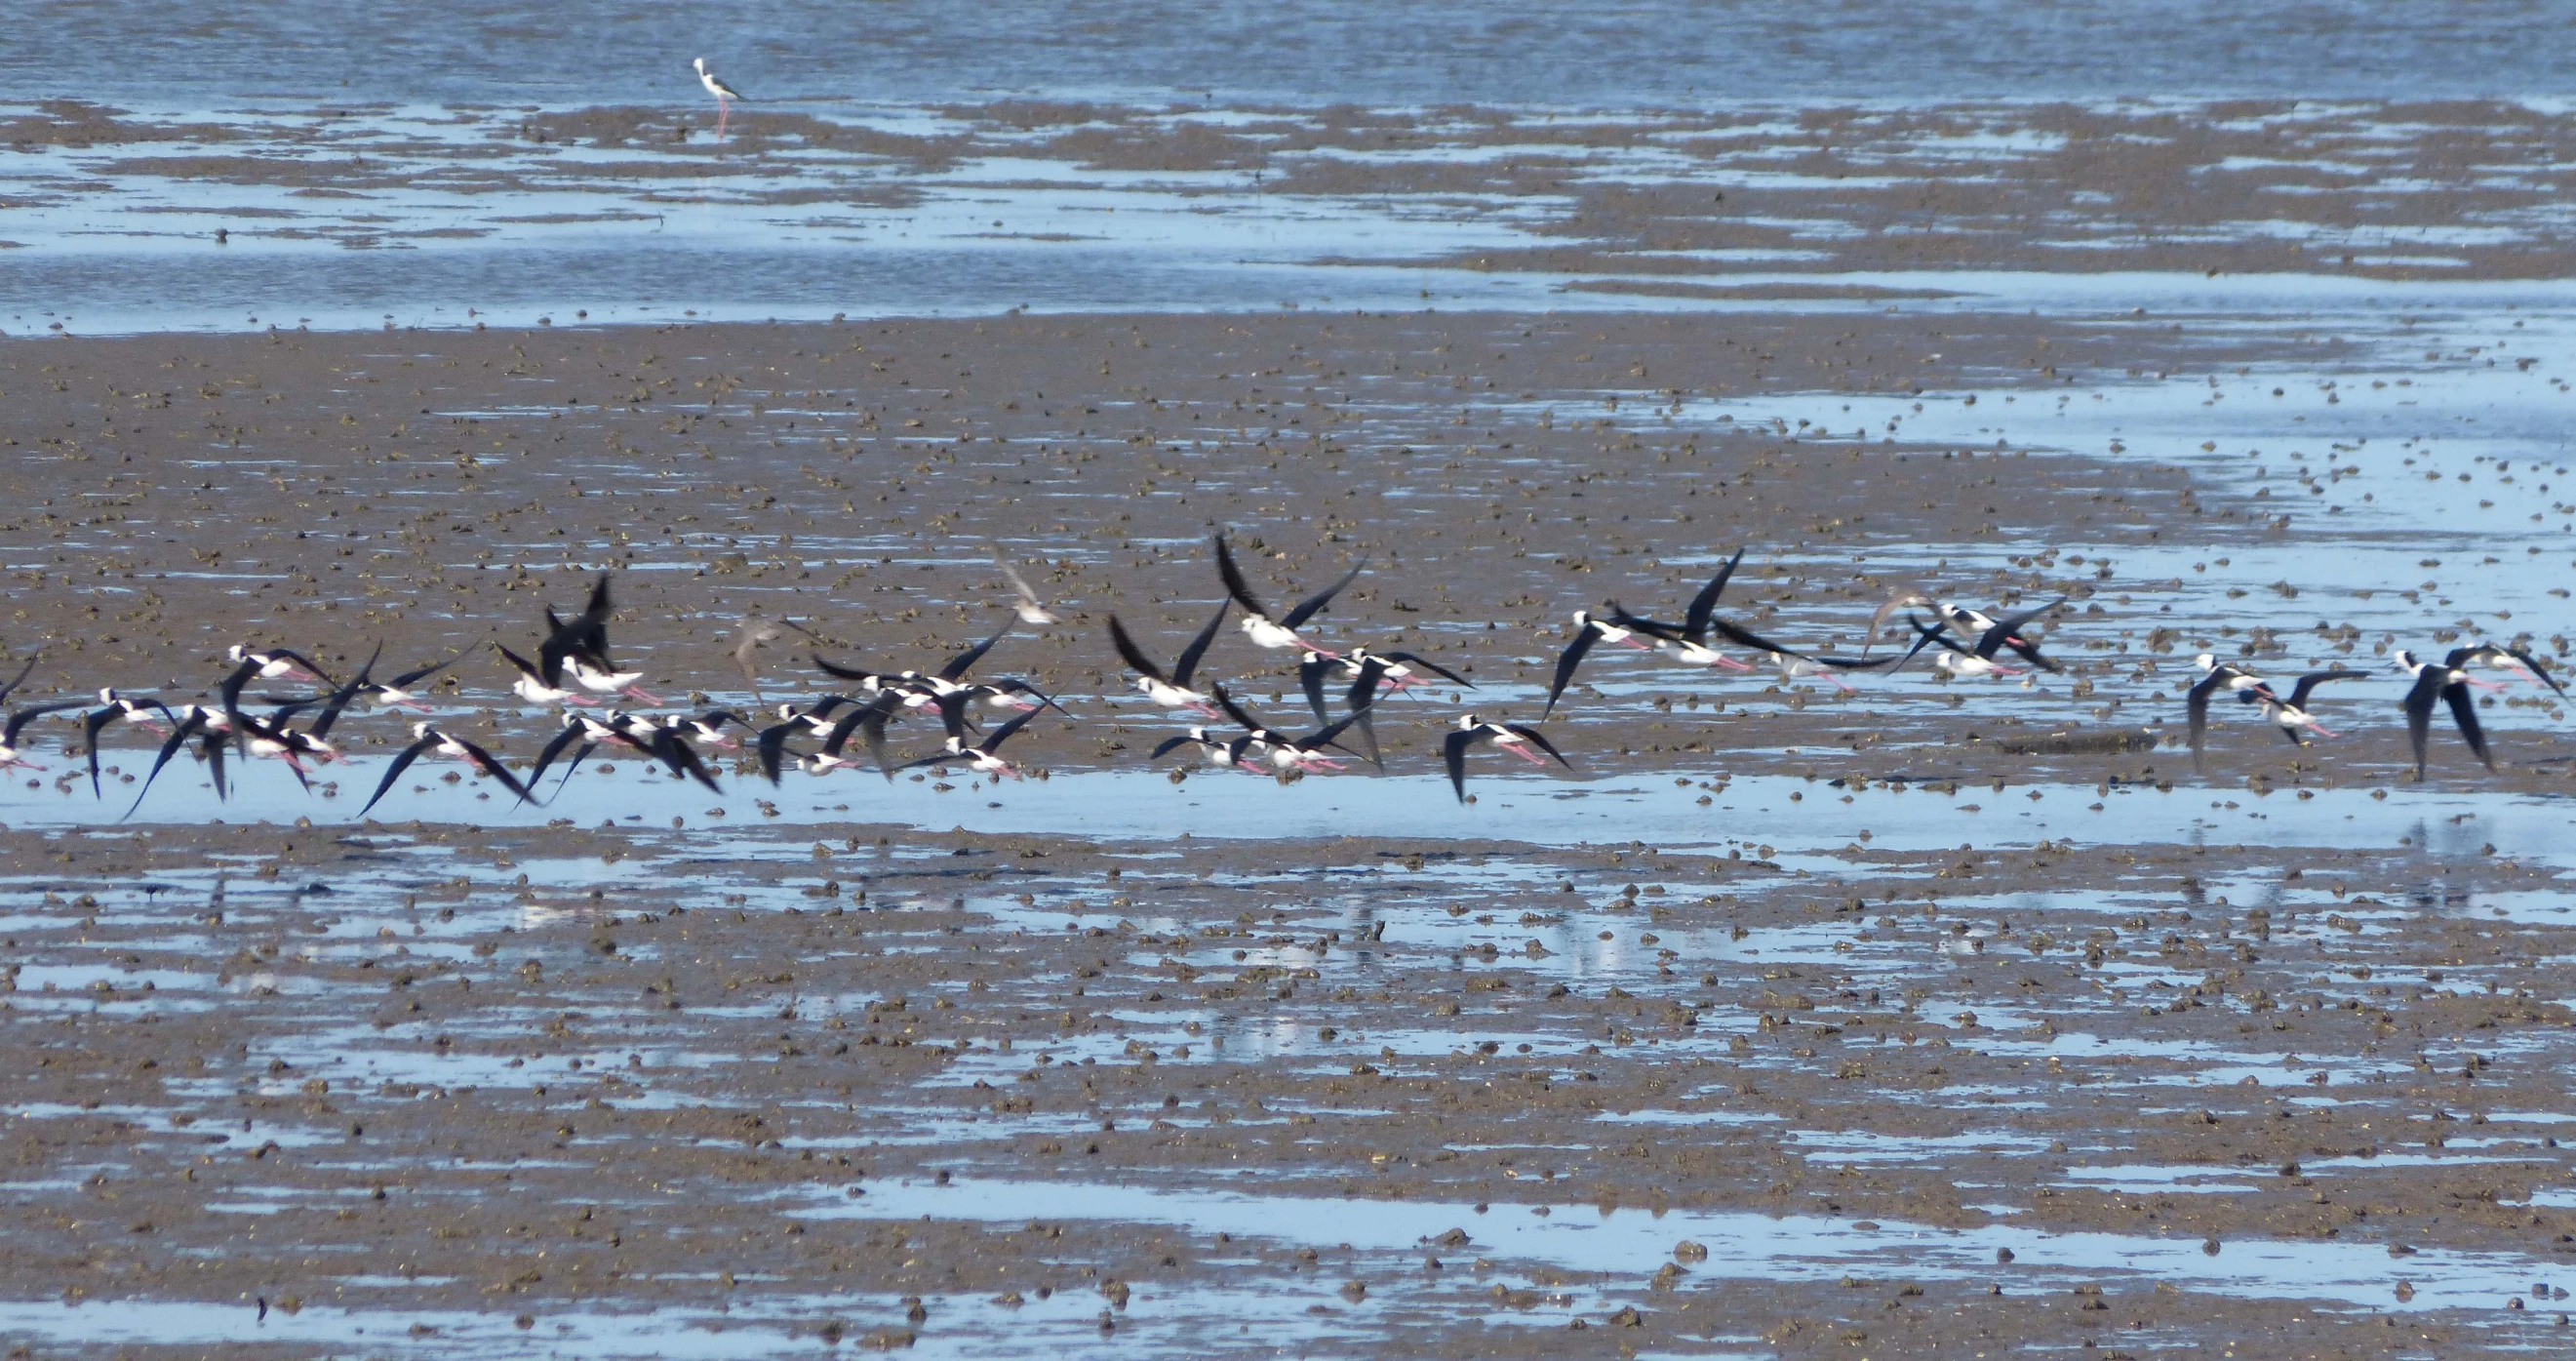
[
  {"x": 402, "y": 762},
  {"x": 1566, "y": 662},
  {"x": 2006, "y": 632},
  {"x": 491, "y": 765},
  {"x": 1539, "y": 740},
  {"x": 1314, "y": 604},
  {"x": 965, "y": 661},
  {"x": 1745, "y": 637},
  {"x": 1453, "y": 754},
  {"x": 1433, "y": 667},
  {"x": 1703, "y": 606},
  {"x": 1133, "y": 655},
  {"x": 19, "y": 720},
  {"x": 1232, "y": 576},
  {"x": 1310, "y": 678},
  {"x": 189, "y": 727},
  {"x": 1188, "y": 664},
  {"x": 21, "y": 678},
  {"x": 2310, "y": 681},
  {"x": 2464, "y": 709},
  {"x": 2429, "y": 683}
]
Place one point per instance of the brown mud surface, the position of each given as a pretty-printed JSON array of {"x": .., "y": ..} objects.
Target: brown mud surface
[{"x": 467, "y": 1087}]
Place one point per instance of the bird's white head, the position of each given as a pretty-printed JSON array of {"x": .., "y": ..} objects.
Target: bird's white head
[
  {"x": 236, "y": 653},
  {"x": 1469, "y": 721},
  {"x": 2406, "y": 660},
  {"x": 2207, "y": 661},
  {"x": 420, "y": 729},
  {"x": 701, "y": 65}
]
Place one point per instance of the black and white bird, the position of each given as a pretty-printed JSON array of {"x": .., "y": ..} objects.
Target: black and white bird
[
  {"x": 2291, "y": 715},
  {"x": 2519, "y": 662},
  {"x": 1030, "y": 610},
  {"x": 1587, "y": 630},
  {"x": 726, "y": 95},
  {"x": 984, "y": 757},
  {"x": 1796, "y": 665},
  {"x": 12, "y": 745},
  {"x": 1258, "y": 624},
  {"x": 917, "y": 689},
  {"x": 1283, "y": 753},
  {"x": 397, "y": 693},
  {"x": 1688, "y": 641},
  {"x": 427, "y": 739},
  {"x": 1389, "y": 673},
  {"x": 1223, "y": 753},
  {"x": 1172, "y": 690},
  {"x": 1473, "y": 732},
  {"x": 867, "y": 721},
  {"x": 1973, "y": 628},
  {"x": 577, "y": 648},
  {"x": 112, "y": 708},
  {"x": 276, "y": 663},
  {"x": 2215, "y": 677},
  {"x": 1965, "y": 662},
  {"x": 210, "y": 727},
  {"x": 2445, "y": 682},
  {"x": 541, "y": 682},
  {"x": 589, "y": 730}
]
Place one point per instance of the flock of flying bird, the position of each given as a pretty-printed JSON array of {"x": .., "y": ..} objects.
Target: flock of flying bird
[{"x": 572, "y": 671}]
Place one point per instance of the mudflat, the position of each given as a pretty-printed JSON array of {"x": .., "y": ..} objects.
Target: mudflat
[{"x": 1924, "y": 1019}]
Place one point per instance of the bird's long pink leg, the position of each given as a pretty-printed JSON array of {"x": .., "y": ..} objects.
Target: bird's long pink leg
[
  {"x": 639, "y": 694},
  {"x": 722, "y": 108},
  {"x": 2319, "y": 729},
  {"x": 2492, "y": 687},
  {"x": 1526, "y": 754},
  {"x": 1730, "y": 664}
]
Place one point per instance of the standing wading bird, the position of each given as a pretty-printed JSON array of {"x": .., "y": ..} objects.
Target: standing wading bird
[
  {"x": 2218, "y": 675},
  {"x": 1472, "y": 732},
  {"x": 1282, "y": 632},
  {"x": 430, "y": 739},
  {"x": 725, "y": 94},
  {"x": 2292, "y": 714},
  {"x": 2448, "y": 682},
  {"x": 1170, "y": 691}
]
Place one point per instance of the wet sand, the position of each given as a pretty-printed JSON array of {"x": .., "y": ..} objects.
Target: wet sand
[
  {"x": 812, "y": 1072},
  {"x": 1924, "y": 1020}
]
